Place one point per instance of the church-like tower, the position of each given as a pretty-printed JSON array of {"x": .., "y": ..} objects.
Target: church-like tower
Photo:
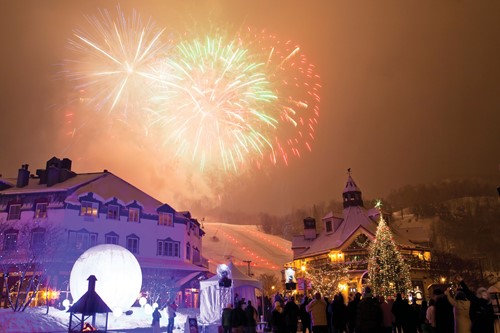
[{"x": 352, "y": 194}]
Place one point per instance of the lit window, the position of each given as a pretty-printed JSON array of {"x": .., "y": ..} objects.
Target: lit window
[
  {"x": 133, "y": 215},
  {"x": 89, "y": 208},
  {"x": 41, "y": 210},
  {"x": 133, "y": 244},
  {"x": 111, "y": 238},
  {"x": 113, "y": 212},
  {"x": 14, "y": 212},
  {"x": 167, "y": 248},
  {"x": 165, "y": 219},
  {"x": 10, "y": 240}
]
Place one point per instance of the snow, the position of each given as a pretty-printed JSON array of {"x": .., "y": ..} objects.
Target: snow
[
  {"x": 268, "y": 253},
  {"x": 239, "y": 243},
  {"x": 34, "y": 320}
]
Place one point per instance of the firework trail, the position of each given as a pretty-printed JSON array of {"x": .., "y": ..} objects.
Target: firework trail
[{"x": 297, "y": 86}]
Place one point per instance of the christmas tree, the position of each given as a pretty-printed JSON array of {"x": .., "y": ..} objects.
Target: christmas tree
[{"x": 388, "y": 272}]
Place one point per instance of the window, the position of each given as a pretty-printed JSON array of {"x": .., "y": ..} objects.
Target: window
[
  {"x": 82, "y": 239},
  {"x": 14, "y": 212},
  {"x": 10, "y": 240},
  {"x": 113, "y": 213},
  {"x": 41, "y": 210},
  {"x": 133, "y": 244},
  {"x": 188, "y": 251},
  {"x": 133, "y": 215},
  {"x": 196, "y": 255},
  {"x": 89, "y": 208},
  {"x": 111, "y": 238},
  {"x": 37, "y": 238},
  {"x": 328, "y": 226},
  {"x": 167, "y": 248},
  {"x": 166, "y": 219}
]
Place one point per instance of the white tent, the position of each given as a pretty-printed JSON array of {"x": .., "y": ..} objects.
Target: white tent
[{"x": 210, "y": 294}]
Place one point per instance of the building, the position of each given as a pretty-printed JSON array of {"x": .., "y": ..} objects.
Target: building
[
  {"x": 345, "y": 240},
  {"x": 49, "y": 219}
]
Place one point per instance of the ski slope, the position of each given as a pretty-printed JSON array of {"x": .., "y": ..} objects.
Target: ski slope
[{"x": 240, "y": 243}]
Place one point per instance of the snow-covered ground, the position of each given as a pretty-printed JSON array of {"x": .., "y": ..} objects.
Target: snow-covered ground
[
  {"x": 267, "y": 253},
  {"x": 34, "y": 320}
]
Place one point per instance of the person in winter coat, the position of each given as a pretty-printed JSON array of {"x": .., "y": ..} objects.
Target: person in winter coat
[
  {"x": 399, "y": 312},
  {"x": 369, "y": 319},
  {"x": 386, "y": 315},
  {"x": 317, "y": 309},
  {"x": 238, "y": 319},
  {"x": 430, "y": 315},
  {"x": 226, "y": 318},
  {"x": 445, "y": 320},
  {"x": 291, "y": 315},
  {"x": 251, "y": 316},
  {"x": 352, "y": 312},
  {"x": 156, "y": 321},
  {"x": 339, "y": 314},
  {"x": 305, "y": 317},
  {"x": 481, "y": 309},
  {"x": 461, "y": 307},
  {"x": 278, "y": 318},
  {"x": 171, "y": 308}
]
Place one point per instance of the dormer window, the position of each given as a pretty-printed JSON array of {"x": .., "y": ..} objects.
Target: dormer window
[
  {"x": 113, "y": 212},
  {"x": 89, "y": 208},
  {"x": 41, "y": 210},
  {"x": 14, "y": 212},
  {"x": 133, "y": 215},
  {"x": 328, "y": 226},
  {"x": 166, "y": 219}
]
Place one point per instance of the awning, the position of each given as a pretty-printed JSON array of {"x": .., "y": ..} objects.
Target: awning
[{"x": 186, "y": 279}]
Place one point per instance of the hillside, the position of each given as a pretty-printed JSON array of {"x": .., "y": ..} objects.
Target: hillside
[{"x": 267, "y": 253}]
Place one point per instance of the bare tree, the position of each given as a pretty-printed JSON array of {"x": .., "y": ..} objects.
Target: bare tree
[{"x": 28, "y": 254}]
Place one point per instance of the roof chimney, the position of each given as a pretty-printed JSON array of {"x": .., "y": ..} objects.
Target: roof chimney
[{"x": 23, "y": 176}]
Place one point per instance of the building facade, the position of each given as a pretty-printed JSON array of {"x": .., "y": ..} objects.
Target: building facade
[
  {"x": 49, "y": 219},
  {"x": 345, "y": 240}
]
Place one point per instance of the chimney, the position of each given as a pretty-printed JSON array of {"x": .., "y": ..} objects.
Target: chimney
[
  {"x": 23, "y": 176},
  {"x": 309, "y": 228},
  {"x": 52, "y": 175},
  {"x": 66, "y": 164}
]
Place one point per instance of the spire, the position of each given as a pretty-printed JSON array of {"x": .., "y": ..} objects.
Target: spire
[{"x": 352, "y": 194}]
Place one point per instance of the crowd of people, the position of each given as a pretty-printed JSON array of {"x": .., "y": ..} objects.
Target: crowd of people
[{"x": 454, "y": 310}]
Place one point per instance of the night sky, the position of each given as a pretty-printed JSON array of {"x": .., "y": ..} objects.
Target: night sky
[{"x": 410, "y": 94}]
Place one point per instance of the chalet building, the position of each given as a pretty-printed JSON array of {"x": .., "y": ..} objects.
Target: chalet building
[
  {"x": 345, "y": 240},
  {"x": 57, "y": 214}
]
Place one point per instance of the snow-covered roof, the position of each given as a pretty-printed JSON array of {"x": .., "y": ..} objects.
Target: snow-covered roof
[
  {"x": 355, "y": 218},
  {"x": 104, "y": 185},
  {"x": 34, "y": 185},
  {"x": 350, "y": 185}
]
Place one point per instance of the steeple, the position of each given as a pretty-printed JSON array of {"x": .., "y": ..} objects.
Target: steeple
[{"x": 352, "y": 194}]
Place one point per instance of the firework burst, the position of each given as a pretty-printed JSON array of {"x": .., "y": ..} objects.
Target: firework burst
[
  {"x": 237, "y": 101},
  {"x": 217, "y": 105},
  {"x": 113, "y": 61}
]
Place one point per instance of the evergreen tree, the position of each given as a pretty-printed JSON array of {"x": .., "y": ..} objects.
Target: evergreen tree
[{"x": 388, "y": 272}]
